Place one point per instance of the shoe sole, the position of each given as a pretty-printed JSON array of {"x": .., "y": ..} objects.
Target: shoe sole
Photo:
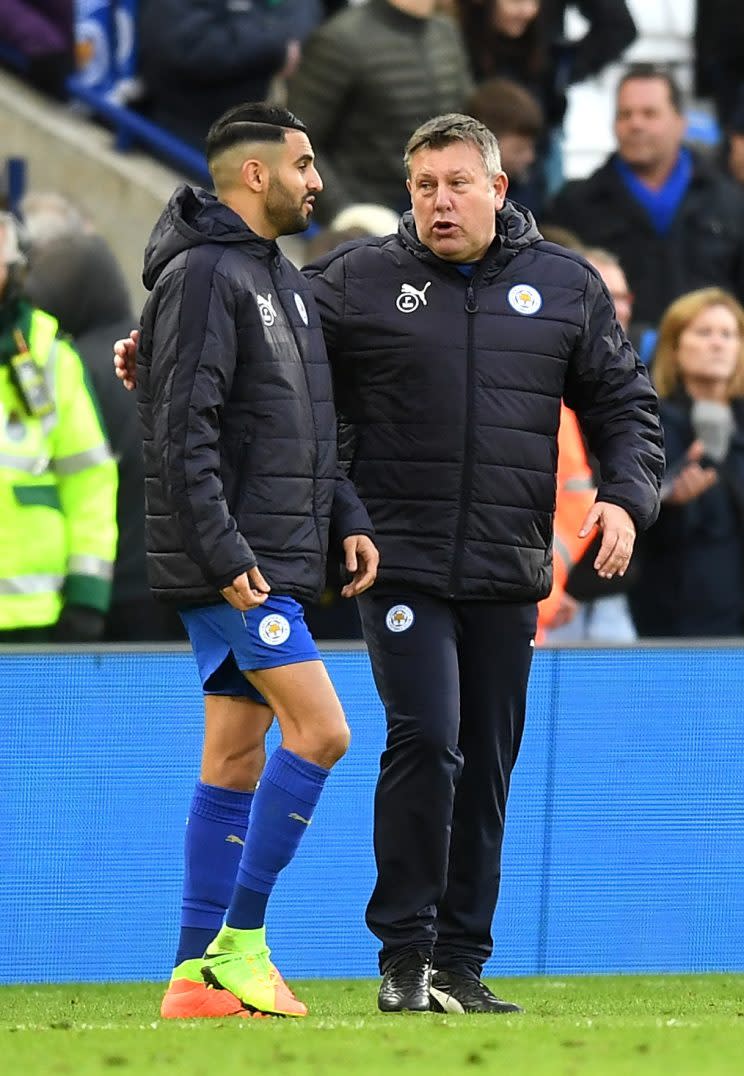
[{"x": 201, "y": 1004}]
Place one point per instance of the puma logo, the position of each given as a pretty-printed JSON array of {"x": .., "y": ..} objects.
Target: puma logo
[{"x": 299, "y": 818}]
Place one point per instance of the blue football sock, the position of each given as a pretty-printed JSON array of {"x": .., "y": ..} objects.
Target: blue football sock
[
  {"x": 285, "y": 799},
  {"x": 215, "y": 835}
]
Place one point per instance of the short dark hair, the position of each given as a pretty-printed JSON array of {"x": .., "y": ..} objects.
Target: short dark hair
[
  {"x": 655, "y": 71},
  {"x": 254, "y": 121},
  {"x": 506, "y": 108}
]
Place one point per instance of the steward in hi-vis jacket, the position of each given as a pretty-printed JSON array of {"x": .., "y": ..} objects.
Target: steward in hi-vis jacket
[{"x": 57, "y": 477}]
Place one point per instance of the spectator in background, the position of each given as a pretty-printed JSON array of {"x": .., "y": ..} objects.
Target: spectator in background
[
  {"x": 48, "y": 215},
  {"x": 199, "y": 57},
  {"x": 735, "y": 144},
  {"x": 691, "y": 579},
  {"x": 581, "y": 606},
  {"x": 675, "y": 222},
  {"x": 41, "y": 32},
  {"x": 719, "y": 54},
  {"x": 354, "y": 222},
  {"x": 523, "y": 40},
  {"x": 367, "y": 78},
  {"x": 610, "y": 31},
  {"x": 78, "y": 281},
  {"x": 609, "y": 268},
  {"x": 57, "y": 476},
  {"x": 511, "y": 112}
]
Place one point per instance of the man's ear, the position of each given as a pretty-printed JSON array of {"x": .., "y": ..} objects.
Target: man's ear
[
  {"x": 254, "y": 174},
  {"x": 500, "y": 184}
]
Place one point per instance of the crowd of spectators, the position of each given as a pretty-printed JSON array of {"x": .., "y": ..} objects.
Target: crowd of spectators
[{"x": 661, "y": 220}]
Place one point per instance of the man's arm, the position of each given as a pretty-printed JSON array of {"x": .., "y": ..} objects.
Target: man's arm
[
  {"x": 611, "y": 30},
  {"x": 617, "y": 407},
  {"x": 193, "y": 352}
]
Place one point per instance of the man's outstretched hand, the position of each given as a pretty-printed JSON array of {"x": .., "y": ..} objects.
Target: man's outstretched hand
[{"x": 125, "y": 360}]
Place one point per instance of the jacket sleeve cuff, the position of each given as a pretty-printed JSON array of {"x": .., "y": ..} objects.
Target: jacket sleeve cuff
[{"x": 223, "y": 581}]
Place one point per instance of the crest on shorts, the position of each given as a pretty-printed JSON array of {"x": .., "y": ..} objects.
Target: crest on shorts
[
  {"x": 274, "y": 629},
  {"x": 399, "y": 618},
  {"x": 525, "y": 299},
  {"x": 266, "y": 309}
]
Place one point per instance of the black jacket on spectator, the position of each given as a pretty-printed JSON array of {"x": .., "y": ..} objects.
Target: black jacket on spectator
[
  {"x": 201, "y": 57},
  {"x": 611, "y": 29},
  {"x": 453, "y": 397},
  {"x": 368, "y": 78},
  {"x": 235, "y": 400},
  {"x": 691, "y": 562},
  {"x": 719, "y": 54},
  {"x": 704, "y": 246}
]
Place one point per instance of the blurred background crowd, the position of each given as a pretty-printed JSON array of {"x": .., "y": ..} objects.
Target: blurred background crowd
[{"x": 621, "y": 125}]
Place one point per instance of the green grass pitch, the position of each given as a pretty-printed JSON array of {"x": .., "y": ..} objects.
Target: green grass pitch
[{"x": 610, "y": 1026}]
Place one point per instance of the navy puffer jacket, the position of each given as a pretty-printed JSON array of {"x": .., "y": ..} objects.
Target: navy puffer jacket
[
  {"x": 452, "y": 388},
  {"x": 236, "y": 404}
]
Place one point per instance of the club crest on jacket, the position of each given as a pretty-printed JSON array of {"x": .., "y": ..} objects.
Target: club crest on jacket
[{"x": 525, "y": 299}]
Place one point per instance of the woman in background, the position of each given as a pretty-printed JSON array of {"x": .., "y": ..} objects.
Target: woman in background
[{"x": 691, "y": 579}]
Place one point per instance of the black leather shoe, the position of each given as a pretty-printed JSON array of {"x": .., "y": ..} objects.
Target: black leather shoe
[
  {"x": 456, "y": 993},
  {"x": 405, "y": 985}
]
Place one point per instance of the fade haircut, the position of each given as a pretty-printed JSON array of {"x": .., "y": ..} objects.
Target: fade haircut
[
  {"x": 648, "y": 71},
  {"x": 251, "y": 122},
  {"x": 455, "y": 127}
]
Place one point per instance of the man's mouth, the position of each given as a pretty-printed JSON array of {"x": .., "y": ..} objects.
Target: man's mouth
[{"x": 443, "y": 227}]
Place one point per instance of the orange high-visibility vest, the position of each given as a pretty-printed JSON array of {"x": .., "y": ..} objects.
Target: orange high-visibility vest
[{"x": 575, "y": 495}]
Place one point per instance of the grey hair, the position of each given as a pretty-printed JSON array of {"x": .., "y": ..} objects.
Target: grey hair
[{"x": 455, "y": 127}]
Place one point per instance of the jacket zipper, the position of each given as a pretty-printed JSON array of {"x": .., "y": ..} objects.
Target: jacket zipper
[{"x": 471, "y": 309}]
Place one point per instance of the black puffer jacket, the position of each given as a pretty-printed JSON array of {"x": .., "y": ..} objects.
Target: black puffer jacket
[
  {"x": 236, "y": 405},
  {"x": 454, "y": 398}
]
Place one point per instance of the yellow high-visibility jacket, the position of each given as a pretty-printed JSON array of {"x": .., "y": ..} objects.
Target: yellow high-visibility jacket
[{"x": 58, "y": 484}]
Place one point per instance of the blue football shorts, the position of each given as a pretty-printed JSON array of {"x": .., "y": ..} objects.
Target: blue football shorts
[{"x": 227, "y": 642}]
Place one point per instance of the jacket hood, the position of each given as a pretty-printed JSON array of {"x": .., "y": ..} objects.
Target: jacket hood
[
  {"x": 194, "y": 216},
  {"x": 515, "y": 230}
]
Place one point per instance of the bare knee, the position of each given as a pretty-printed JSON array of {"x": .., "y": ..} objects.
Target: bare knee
[
  {"x": 324, "y": 746},
  {"x": 337, "y": 744}
]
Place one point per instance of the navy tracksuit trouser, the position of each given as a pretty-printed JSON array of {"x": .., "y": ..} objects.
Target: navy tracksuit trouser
[{"x": 452, "y": 676}]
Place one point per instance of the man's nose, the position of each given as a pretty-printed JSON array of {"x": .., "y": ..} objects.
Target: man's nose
[
  {"x": 315, "y": 183},
  {"x": 443, "y": 196}
]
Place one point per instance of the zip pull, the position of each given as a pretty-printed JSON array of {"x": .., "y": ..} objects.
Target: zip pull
[{"x": 471, "y": 299}]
